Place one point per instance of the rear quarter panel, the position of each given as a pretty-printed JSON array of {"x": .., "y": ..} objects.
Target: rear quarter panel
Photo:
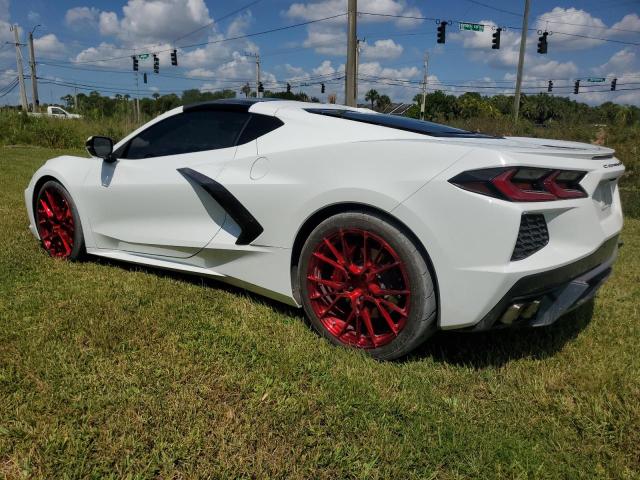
[{"x": 300, "y": 182}]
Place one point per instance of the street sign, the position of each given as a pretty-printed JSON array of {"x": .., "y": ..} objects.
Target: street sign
[
  {"x": 595, "y": 79},
  {"x": 143, "y": 56},
  {"x": 474, "y": 27}
]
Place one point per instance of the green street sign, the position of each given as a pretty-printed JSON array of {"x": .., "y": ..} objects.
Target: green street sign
[
  {"x": 473, "y": 27},
  {"x": 143, "y": 56},
  {"x": 595, "y": 79}
]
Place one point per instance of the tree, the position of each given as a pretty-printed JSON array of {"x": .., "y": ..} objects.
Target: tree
[
  {"x": 382, "y": 102},
  {"x": 371, "y": 96},
  {"x": 246, "y": 89},
  {"x": 155, "y": 96}
]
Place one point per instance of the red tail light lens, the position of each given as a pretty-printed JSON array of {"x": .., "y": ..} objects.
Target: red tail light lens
[{"x": 523, "y": 184}]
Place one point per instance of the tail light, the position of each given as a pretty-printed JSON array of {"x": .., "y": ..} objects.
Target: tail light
[{"x": 523, "y": 184}]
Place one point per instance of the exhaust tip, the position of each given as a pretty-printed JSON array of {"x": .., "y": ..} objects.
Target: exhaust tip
[
  {"x": 530, "y": 310},
  {"x": 511, "y": 314}
]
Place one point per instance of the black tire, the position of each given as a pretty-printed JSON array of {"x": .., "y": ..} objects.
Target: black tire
[
  {"x": 420, "y": 322},
  {"x": 77, "y": 250}
]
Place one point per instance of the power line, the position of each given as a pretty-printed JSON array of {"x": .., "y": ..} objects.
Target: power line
[
  {"x": 414, "y": 17},
  {"x": 494, "y": 8},
  {"x": 224, "y": 17},
  {"x": 222, "y": 40}
]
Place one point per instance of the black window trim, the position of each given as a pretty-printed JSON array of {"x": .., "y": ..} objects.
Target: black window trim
[
  {"x": 221, "y": 107},
  {"x": 340, "y": 113}
]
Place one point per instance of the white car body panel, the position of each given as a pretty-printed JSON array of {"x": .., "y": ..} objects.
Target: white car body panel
[{"x": 144, "y": 211}]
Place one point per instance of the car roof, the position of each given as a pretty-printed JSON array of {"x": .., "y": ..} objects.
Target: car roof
[{"x": 245, "y": 104}]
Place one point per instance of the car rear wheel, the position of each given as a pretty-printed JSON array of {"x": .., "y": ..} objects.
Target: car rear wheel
[
  {"x": 58, "y": 222},
  {"x": 364, "y": 284}
]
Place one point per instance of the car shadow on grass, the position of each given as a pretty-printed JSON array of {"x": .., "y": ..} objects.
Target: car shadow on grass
[
  {"x": 495, "y": 348},
  {"x": 477, "y": 350}
]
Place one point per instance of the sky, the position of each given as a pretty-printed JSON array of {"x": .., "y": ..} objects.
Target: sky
[{"x": 87, "y": 45}]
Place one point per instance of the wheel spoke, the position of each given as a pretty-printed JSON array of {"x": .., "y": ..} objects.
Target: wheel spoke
[
  {"x": 387, "y": 317},
  {"x": 385, "y": 292},
  {"x": 384, "y": 268},
  {"x": 335, "y": 251},
  {"x": 53, "y": 204},
  {"x": 346, "y": 324},
  {"x": 366, "y": 318},
  {"x": 331, "y": 305},
  {"x": 326, "y": 259},
  {"x": 47, "y": 209},
  {"x": 328, "y": 283},
  {"x": 394, "y": 307}
]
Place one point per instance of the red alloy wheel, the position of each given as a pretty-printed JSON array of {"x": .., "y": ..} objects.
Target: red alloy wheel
[
  {"x": 358, "y": 287},
  {"x": 54, "y": 218}
]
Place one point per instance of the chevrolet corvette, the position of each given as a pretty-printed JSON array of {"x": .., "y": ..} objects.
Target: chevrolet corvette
[{"x": 382, "y": 228}]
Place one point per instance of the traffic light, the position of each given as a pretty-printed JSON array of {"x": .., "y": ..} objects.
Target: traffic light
[
  {"x": 550, "y": 87},
  {"x": 135, "y": 63},
  {"x": 156, "y": 64},
  {"x": 542, "y": 43},
  {"x": 260, "y": 87},
  {"x": 576, "y": 87},
  {"x": 442, "y": 31},
  {"x": 144, "y": 77},
  {"x": 614, "y": 83},
  {"x": 495, "y": 43},
  {"x": 174, "y": 58},
  {"x": 322, "y": 88},
  {"x": 288, "y": 88}
]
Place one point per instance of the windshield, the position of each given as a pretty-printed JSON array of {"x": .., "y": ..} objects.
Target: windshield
[{"x": 399, "y": 123}]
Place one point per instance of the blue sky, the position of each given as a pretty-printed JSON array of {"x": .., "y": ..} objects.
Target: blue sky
[{"x": 88, "y": 43}]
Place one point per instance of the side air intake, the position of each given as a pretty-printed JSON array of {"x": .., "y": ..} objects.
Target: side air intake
[{"x": 532, "y": 236}]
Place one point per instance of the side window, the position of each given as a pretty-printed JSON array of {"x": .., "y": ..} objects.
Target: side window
[
  {"x": 57, "y": 111},
  {"x": 258, "y": 126},
  {"x": 187, "y": 132}
]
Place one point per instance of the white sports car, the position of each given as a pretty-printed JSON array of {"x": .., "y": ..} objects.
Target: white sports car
[{"x": 382, "y": 228}]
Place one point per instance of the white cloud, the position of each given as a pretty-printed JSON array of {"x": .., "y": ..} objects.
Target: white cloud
[
  {"x": 574, "y": 22},
  {"x": 109, "y": 24},
  {"x": 105, "y": 51},
  {"x": 158, "y": 21},
  {"x": 326, "y": 8},
  {"x": 382, "y": 49},
  {"x": 630, "y": 21},
  {"x": 49, "y": 46},
  {"x": 326, "y": 40},
  {"x": 81, "y": 17},
  {"x": 4, "y": 10},
  {"x": 619, "y": 62}
]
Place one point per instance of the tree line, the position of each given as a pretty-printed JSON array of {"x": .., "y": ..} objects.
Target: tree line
[{"x": 540, "y": 109}]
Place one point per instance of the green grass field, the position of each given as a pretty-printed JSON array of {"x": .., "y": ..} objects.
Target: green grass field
[{"x": 113, "y": 371}]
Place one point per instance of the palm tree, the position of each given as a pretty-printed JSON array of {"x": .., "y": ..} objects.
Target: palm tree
[
  {"x": 371, "y": 96},
  {"x": 382, "y": 102},
  {"x": 155, "y": 95}
]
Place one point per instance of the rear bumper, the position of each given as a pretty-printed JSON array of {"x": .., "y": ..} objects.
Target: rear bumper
[{"x": 542, "y": 298}]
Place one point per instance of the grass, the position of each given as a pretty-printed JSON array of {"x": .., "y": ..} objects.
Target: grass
[{"x": 118, "y": 372}]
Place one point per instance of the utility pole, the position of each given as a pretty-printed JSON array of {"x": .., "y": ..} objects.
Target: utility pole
[
  {"x": 257, "y": 57},
  {"x": 424, "y": 85},
  {"x": 352, "y": 45},
  {"x": 523, "y": 44},
  {"x": 75, "y": 100},
  {"x": 23, "y": 92},
  {"x": 258, "y": 93},
  {"x": 34, "y": 78},
  {"x": 358, "y": 48}
]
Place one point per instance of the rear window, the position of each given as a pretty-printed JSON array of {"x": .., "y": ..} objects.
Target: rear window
[{"x": 399, "y": 123}]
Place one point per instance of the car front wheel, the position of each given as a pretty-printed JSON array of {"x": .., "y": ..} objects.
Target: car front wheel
[
  {"x": 58, "y": 222},
  {"x": 364, "y": 284}
]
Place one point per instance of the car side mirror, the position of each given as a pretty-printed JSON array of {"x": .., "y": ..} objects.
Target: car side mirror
[{"x": 101, "y": 147}]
